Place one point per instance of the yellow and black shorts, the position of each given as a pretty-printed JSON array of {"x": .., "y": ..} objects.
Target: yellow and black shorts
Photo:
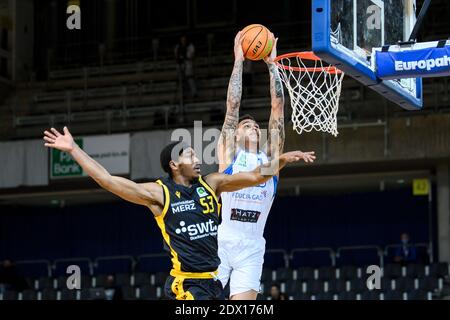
[{"x": 182, "y": 288}]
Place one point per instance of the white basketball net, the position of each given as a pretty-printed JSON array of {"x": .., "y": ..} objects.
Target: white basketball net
[{"x": 314, "y": 90}]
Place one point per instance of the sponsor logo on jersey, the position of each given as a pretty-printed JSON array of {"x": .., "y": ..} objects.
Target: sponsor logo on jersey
[
  {"x": 247, "y": 196},
  {"x": 198, "y": 230},
  {"x": 178, "y": 194},
  {"x": 183, "y": 206},
  {"x": 262, "y": 185},
  {"x": 242, "y": 160},
  {"x": 245, "y": 215},
  {"x": 201, "y": 192}
]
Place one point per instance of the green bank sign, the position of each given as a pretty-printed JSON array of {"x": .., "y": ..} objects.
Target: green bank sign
[
  {"x": 111, "y": 151},
  {"x": 63, "y": 166}
]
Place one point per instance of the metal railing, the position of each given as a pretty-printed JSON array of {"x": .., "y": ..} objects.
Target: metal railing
[
  {"x": 70, "y": 260},
  {"x": 330, "y": 251},
  {"x": 47, "y": 264},
  {"x": 160, "y": 44},
  {"x": 115, "y": 258},
  {"x": 356, "y": 248},
  {"x": 280, "y": 251}
]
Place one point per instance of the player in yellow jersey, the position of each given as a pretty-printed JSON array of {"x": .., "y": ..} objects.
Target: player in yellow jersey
[{"x": 185, "y": 206}]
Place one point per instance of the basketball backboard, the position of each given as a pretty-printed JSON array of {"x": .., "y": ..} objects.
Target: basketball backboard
[{"x": 346, "y": 32}]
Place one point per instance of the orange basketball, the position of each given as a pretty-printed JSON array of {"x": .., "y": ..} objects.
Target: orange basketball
[{"x": 257, "y": 42}]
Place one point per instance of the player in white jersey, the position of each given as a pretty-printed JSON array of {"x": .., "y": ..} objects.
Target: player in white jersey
[{"x": 244, "y": 213}]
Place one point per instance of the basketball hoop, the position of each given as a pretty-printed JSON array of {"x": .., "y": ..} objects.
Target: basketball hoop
[{"x": 314, "y": 89}]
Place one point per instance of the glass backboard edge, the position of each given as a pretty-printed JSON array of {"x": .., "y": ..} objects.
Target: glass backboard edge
[{"x": 322, "y": 47}]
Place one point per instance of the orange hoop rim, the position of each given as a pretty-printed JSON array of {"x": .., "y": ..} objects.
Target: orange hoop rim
[{"x": 306, "y": 55}]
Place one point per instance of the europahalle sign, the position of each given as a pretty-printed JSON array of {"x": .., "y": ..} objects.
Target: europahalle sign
[
  {"x": 112, "y": 152},
  {"x": 396, "y": 62}
]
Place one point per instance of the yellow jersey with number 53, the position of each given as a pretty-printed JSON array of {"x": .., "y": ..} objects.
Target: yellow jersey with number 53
[{"x": 189, "y": 224}]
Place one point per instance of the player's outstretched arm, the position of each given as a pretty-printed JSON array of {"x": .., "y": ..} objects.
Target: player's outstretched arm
[
  {"x": 276, "y": 135},
  {"x": 221, "y": 182},
  {"x": 225, "y": 145},
  {"x": 146, "y": 194}
]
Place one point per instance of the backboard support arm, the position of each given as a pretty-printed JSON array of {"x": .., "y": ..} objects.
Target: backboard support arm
[{"x": 420, "y": 18}]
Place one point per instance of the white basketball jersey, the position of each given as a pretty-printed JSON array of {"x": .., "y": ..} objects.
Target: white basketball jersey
[{"x": 245, "y": 212}]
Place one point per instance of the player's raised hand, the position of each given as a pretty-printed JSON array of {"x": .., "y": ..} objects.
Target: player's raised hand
[
  {"x": 295, "y": 156},
  {"x": 63, "y": 142},
  {"x": 273, "y": 54},
  {"x": 238, "y": 52}
]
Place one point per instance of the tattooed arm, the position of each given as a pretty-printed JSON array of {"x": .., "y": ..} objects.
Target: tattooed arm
[
  {"x": 276, "y": 135},
  {"x": 225, "y": 147}
]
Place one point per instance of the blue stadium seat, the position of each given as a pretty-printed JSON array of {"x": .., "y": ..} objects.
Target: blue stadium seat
[
  {"x": 129, "y": 293},
  {"x": 358, "y": 285},
  {"x": 302, "y": 296},
  {"x": 337, "y": 285},
  {"x": 85, "y": 294},
  {"x": 387, "y": 284},
  {"x": 430, "y": 283},
  {"x": 29, "y": 295},
  {"x": 45, "y": 283},
  {"x": 324, "y": 296},
  {"x": 392, "y": 271},
  {"x": 417, "y": 295},
  {"x": 305, "y": 273},
  {"x": 283, "y": 274},
  {"x": 327, "y": 273},
  {"x": 141, "y": 278},
  {"x": 147, "y": 292},
  {"x": 160, "y": 278},
  {"x": 371, "y": 295},
  {"x": 415, "y": 270},
  {"x": 405, "y": 284},
  {"x": 31, "y": 283},
  {"x": 439, "y": 270},
  {"x": 315, "y": 287},
  {"x": 10, "y": 295},
  {"x": 48, "y": 294},
  {"x": 100, "y": 280},
  {"x": 67, "y": 294},
  {"x": 293, "y": 287},
  {"x": 123, "y": 279},
  {"x": 346, "y": 296},
  {"x": 393, "y": 295},
  {"x": 348, "y": 272}
]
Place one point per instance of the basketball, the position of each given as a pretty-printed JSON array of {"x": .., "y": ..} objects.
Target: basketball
[{"x": 257, "y": 42}]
